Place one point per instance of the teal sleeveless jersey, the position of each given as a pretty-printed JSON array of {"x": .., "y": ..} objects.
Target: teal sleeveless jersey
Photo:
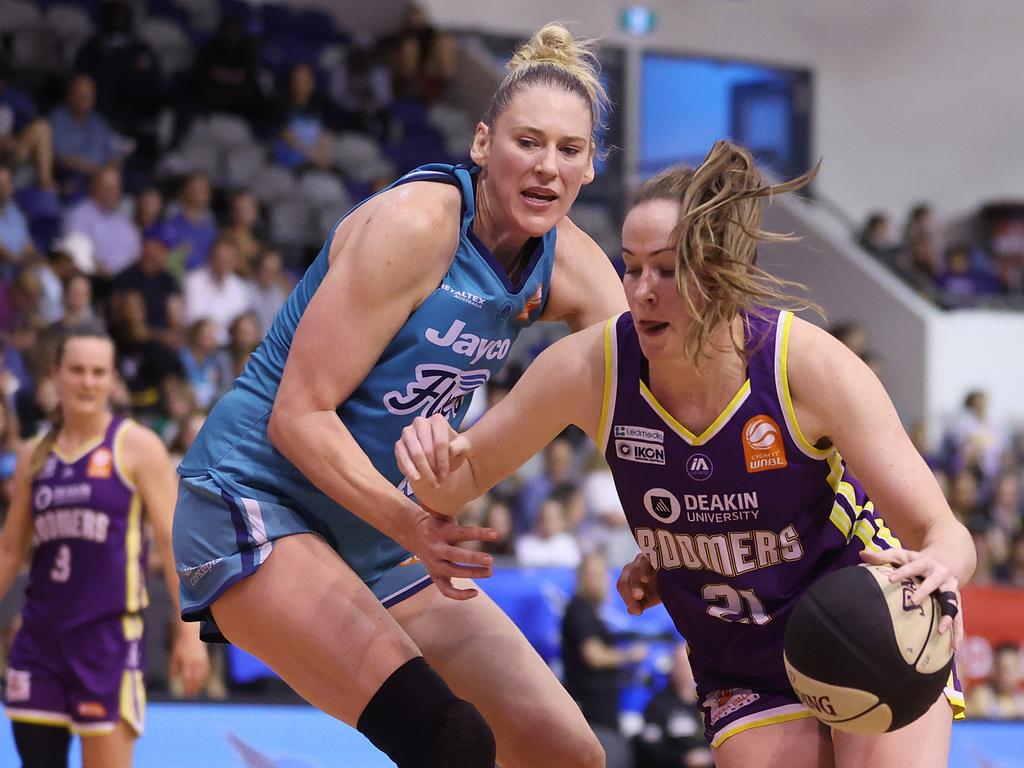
[{"x": 452, "y": 344}]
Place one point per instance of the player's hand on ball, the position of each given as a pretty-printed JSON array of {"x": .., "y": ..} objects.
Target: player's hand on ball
[
  {"x": 638, "y": 585},
  {"x": 933, "y": 575},
  {"x": 436, "y": 540},
  {"x": 429, "y": 450}
]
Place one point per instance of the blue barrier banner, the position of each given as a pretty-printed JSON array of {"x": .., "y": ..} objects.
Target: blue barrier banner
[{"x": 254, "y": 736}]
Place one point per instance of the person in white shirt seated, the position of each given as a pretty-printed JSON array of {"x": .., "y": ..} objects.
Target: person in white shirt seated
[{"x": 214, "y": 291}]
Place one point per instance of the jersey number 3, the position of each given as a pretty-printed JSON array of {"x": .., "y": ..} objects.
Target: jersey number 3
[
  {"x": 61, "y": 570},
  {"x": 740, "y": 606}
]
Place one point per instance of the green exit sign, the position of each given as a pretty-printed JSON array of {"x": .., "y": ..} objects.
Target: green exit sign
[{"x": 638, "y": 19}]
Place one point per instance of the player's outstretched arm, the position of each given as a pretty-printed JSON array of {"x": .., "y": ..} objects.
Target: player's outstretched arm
[
  {"x": 839, "y": 399},
  {"x": 563, "y": 386},
  {"x": 16, "y": 535},
  {"x": 151, "y": 470}
]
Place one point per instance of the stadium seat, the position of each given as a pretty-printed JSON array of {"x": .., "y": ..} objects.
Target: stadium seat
[
  {"x": 271, "y": 183},
  {"x": 202, "y": 156},
  {"x": 359, "y": 157},
  {"x": 172, "y": 46},
  {"x": 243, "y": 164},
  {"x": 321, "y": 188},
  {"x": 18, "y": 14},
  {"x": 291, "y": 223},
  {"x": 227, "y": 130}
]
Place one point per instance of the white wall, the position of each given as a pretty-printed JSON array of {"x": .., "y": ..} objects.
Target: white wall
[{"x": 915, "y": 99}]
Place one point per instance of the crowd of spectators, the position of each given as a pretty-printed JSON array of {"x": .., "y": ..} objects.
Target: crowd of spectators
[{"x": 982, "y": 270}]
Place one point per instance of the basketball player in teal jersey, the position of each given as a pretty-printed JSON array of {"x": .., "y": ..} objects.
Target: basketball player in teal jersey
[
  {"x": 295, "y": 536},
  {"x": 728, "y": 426}
]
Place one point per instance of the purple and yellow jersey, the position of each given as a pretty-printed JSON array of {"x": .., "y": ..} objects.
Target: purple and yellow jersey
[
  {"x": 738, "y": 520},
  {"x": 88, "y": 559}
]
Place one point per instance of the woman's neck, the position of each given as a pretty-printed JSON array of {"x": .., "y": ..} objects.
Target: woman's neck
[
  {"x": 722, "y": 370},
  {"x": 79, "y": 429},
  {"x": 506, "y": 244}
]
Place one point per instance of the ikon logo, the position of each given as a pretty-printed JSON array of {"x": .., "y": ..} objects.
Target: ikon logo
[
  {"x": 644, "y": 453},
  {"x": 699, "y": 467}
]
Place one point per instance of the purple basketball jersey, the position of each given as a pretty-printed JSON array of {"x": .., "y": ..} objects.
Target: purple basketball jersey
[
  {"x": 88, "y": 543},
  {"x": 739, "y": 520}
]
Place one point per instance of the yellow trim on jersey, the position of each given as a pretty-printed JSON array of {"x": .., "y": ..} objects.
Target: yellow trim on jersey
[
  {"x": 730, "y": 732},
  {"x": 608, "y": 398},
  {"x": 135, "y": 585},
  {"x": 782, "y": 369},
  {"x": 56, "y": 719},
  {"x": 955, "y": 699},
  {"x": 733, "y": 406},
  {"x": 90, "y": 446},
  {"x": 118, "y": 446},
  {"x": 132, "y": 625},
  {"x": 133, "y": 700}
]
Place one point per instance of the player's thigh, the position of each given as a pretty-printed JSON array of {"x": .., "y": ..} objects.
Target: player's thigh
[
  {"x": 109, "y": 750},
  {"x": 486, "y": 660},
  {"x": 802, "y": 743},
  {"x": 922, "y": 744},
  {"x": 312, "y": 620}
]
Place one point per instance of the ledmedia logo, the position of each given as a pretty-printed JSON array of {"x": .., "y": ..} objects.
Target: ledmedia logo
[{"x": 699, "y": 467}]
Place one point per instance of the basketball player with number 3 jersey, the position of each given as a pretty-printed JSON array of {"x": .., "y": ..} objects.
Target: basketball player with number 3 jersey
[{"x": 728, "y": 424}]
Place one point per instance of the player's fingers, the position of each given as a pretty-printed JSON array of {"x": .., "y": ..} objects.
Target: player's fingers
[
  {"x": 413, "y": 443},
  {"x": 458, "y": 450},
  {"x": 885, "y": 556},
  {"x": 935, "y": 580},
  {"x": 456, "y": 554},
  {"x": 471, "y": 533},
  {"x": 446, "y": 588},
  {"x": 439, "y": 432},
  {"x": 405, "y": 463}
]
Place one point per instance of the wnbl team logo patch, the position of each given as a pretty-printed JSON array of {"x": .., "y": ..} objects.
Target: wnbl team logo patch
[
  {"x": 699, "y": 467},
  {"x": 763, "y": 448}
]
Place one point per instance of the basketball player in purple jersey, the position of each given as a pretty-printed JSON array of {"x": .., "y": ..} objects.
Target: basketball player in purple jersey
[
  {"x": 727, "y": 425},
  {"x": 81, "y": 493}
]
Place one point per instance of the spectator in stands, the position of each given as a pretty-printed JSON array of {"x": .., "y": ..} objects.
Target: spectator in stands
[
  {"x": 605, "y": 527},
  {"x": 15, "y": 241},
  {"x": 673, "y": 731},
  {"x": 149, "y": 276},
  {"x": 149, "y": 208},
  {"x": 115, "y": 238},
  {"x": 83, "y": 141},
  {"x": 426, "y": 57},
  {"x": 215, "y": 291},
  {"x": 960, "y": 283},
  {"x": 498, "y": 516},
  {"x": 269, "y": 287},
  {"x": 77, "y": 317},
  {"x": 129, "y": 85},
  {"x": 877, "y": 237},
  {"x": 559, "y": 469},
  {"x": 1000, "y": 697},
  {"x": 199, "y": 360},
  {"x": 244, "y": 335},
  {"x": 22, "y": 306},
  {"x": 549, "y": 544},
  {"x": 23, "y": 133},
  {"x": 225, "y": 75},
  {"x": 35, "y": 407},
  {"x": 593, "y": 663},
  {"x": 67, "y": 256},
  {"x": 241, "y": 230},
  {"x": 979, "y": 440},
  {"x": 360, "y": 92},
  {"x": 303, "y": 140},
  {"x": 192, "y": 227},
  {"x": 142, "y": 360},
  {"x": 964, "y": 498},
  {"x": 1015, "y": 564}
]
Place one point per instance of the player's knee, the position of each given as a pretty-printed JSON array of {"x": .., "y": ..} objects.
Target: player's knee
[
  {"x": 464, "y": 738},
  {"x": 416, "y": 720}
]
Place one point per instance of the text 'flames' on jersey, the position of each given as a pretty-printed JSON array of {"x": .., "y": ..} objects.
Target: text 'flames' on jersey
[{"x": 738, "y": 520}]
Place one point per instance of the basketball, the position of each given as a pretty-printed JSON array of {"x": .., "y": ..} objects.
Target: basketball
[{"x": 861, "y": 656}]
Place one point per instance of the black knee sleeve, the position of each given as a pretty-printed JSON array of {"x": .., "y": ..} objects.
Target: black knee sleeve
[
  {"x": 418, "y": 722},
  {"x": 42, "y": 746}
]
